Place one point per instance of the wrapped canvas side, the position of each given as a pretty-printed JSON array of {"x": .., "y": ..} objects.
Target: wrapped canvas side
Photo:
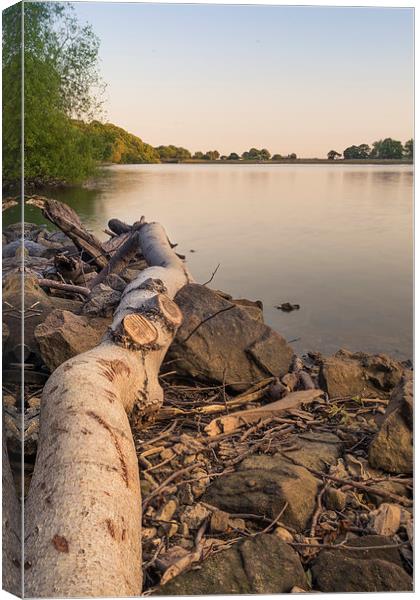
[{"x": 12, "y": 305}]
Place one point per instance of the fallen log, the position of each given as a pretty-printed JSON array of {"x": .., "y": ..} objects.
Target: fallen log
[
  {"x": 83, "y": 512},
  {"x": 66, "y": 219}
]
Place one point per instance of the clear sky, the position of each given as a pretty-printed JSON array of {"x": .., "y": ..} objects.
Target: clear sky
[{"x": 290, "y": 79}]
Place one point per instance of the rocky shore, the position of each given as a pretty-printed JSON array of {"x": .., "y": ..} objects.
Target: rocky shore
[{"x": 263, "y": 472}]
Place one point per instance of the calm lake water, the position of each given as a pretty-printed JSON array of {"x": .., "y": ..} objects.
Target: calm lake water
[{"x": 335, "y": 239}]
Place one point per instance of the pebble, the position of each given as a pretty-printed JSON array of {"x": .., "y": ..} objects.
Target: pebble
[
  {"x": 167, "y": 511},
  {"x": 219, "y": 521},
  {"x": 283, "y": 534},
  {"x": 194, "y": 515}
]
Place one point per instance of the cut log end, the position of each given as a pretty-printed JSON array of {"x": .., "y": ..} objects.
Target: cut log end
[
  {"x": 169, "y": 309},
  {"x": 139, "y": 329}
]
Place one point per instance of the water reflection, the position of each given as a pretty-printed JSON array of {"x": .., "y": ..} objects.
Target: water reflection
[{"x": 335, "y": 239}]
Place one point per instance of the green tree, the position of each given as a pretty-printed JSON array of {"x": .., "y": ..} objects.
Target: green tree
[
  {"x": 292, "y": 156},
  {"x": 255, "y": 154},
  {"x": 387, "y": 149},
  {"x": 173, "y": 153},
  {"x": 409, "y": 148},
  {"x": 198, "y": 155},
  {"x": 212, "y": 155},
  {"x": 233, "y": 156},
  {"x": 277, "y": 157},
  {"x": 61, "y": 84},
  {"x": 333, "y": 154},
  {"x": 357, "y": 152},
  {"x": 110, "y": 143}
]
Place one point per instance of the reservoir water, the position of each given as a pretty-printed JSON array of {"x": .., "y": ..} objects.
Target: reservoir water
[{"x": 337, "y": 240}]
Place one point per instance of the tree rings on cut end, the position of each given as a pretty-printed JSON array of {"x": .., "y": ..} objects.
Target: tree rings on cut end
[
  {"x": 169, "y": 309},
  {"x": 139, "y": 329}
]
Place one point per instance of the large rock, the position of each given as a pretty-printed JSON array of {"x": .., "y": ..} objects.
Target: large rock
[
  {"x": 262, "y": 486},
  {"x": 259, "y": 565},
  {"x": 392, "y": 448},
  {"x": 32, "y": 248},
  {"x": 38, "y": 305},
  {"x": 374, "y": 570},
  {"x": 359, "y": 374},
  {"x": 64, "y": 335},
  {"x": 229, "y": 346},
  {"x": 316, "y": 450}
]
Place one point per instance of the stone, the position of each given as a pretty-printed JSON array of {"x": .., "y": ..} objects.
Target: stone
[
  {"x": 219, "y": 521},
  {"x": 229, "y": 347},
  {"x": 32, "y": 248},
  {"x": 254, "y": 309},
  {"x": 392, "y": 447},
  {"x": 316, "y": 450},
  {"x": 262, "y": 485},
  {"x": 402, "y": 399},
  {"x": 194, "y": 515},
  {"x": 42, "y": 305},
  {"x": 283, "y": 534},
  {"x": 260, "y": 565},
  {"x": 63, "y": 335},
  {"x": 386, "y": 519},
  {"x": 359, "y": 374},
  {"x": 377, "y": 570},
  {"x": 167, "y": 511},
  {"x": 335, "y": 499}
]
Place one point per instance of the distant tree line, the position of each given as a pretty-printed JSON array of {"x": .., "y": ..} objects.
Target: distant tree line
[
  {"x": 253, "y": 154},
  {"x": 385, "y": 149}
]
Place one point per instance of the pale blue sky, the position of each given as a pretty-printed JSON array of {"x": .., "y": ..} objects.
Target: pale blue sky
[{"x": 291, "y": 79}]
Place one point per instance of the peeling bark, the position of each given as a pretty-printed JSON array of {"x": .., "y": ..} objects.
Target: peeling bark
[{"x": 83, "y": 513}]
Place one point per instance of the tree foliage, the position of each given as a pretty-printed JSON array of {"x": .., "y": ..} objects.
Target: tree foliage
[
  {"x": 357, "y": 152},
  {"x": 387, "y": 149},
  {"x": 172, "y": 153},
  {"x": 110, "y": 143},
  {"x": 255, "y": 154},
  {"x": 333, "y": 154},
  {"x": 61, "y": 83},
  {"x": 409, "y": 148}
]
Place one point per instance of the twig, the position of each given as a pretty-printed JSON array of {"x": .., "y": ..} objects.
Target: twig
[
  {"x": 167, "y": 481},
  {"x": 344, "y": 546},
  {"x": 358, "y": 485},
  {"x": 65, "y": 287},
  {"x": 212, "y": 275},
  {"x": 317, "y": 511},
  {"x": 205, "y": 321}
]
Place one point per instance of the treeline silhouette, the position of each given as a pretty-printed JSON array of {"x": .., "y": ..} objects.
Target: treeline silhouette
[{"x": 385, "y": 149}]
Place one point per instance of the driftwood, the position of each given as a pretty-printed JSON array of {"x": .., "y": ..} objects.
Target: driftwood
[
  {"x": 118, "y": 227},
  {"x": 64, "y": 287},
  {"x": 120, "y": 259},
  {"x": 83, "y": 512},
  {"x": 66, "y": 219}
]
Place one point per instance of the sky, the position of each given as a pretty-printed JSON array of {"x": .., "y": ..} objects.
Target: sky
[{"x": 289, "y": 79}]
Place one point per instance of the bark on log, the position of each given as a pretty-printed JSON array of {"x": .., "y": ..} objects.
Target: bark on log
[
  {"x": 119, "y": 260},
  {"x": 66, "y": 219},
  {"x": 83, "y": 515}
]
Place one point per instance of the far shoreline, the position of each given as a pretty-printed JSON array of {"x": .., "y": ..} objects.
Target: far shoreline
[{"x": 296, "y": 161}]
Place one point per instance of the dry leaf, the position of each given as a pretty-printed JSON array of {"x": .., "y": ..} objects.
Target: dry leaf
[
  {"x": 180, "y": 565},
  {"x": 386, "y": 520}
]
